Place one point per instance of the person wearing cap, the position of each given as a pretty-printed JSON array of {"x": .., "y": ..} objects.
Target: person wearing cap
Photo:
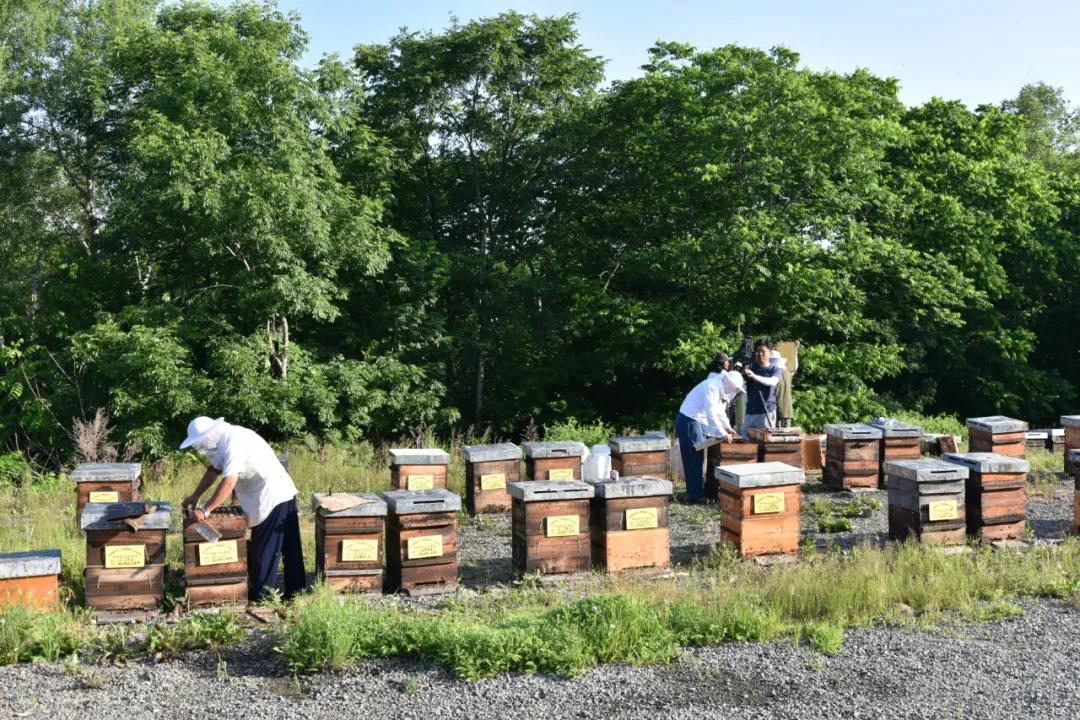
[
  {"x": 704, "y": 413},
  {"x": 761, "y": 380},
  {"x": 785, "y": 406},
  {"x": 267, "y": 495}
]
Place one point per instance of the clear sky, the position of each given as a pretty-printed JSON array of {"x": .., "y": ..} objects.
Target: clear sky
[{"x": 977, "y": 52}]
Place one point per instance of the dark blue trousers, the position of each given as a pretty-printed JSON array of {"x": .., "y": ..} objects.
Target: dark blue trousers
[
  {"x": 276, "y": 537},
  {"x": 690, "y": 432}
]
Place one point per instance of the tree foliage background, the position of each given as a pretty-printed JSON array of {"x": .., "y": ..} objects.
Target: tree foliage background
[{"x": 470, "y": 228}]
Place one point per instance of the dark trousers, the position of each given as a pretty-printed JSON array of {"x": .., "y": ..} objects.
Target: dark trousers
[
  {"x": 275, "y": 537},
  {"x": 690, "y": 432}
]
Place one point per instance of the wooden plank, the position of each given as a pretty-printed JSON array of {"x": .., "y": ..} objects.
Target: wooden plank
[
  {"x": 194, "y": 571},
  {"x": 399, "y": 475},
  {"x": 615, "y": 551},
  {"x": 497, "y": 500},
  {"x": 235, "y": 593},
  {"x": 651, "y": 464},
  {"x": 42, "y": 591},
  {"x": 538, "y": 468},
  {"x": 98, "y": 540},
  {"x": 610, "y": 515}
]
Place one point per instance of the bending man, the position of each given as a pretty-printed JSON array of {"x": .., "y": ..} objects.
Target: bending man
[{"x": 704, "y": 412}]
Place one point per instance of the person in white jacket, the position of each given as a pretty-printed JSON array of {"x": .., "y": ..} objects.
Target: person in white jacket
[{"x": 704, "y": 413}]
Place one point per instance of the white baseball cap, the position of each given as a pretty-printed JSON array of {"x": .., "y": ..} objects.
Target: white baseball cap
[{"x": 199, "y": 428}]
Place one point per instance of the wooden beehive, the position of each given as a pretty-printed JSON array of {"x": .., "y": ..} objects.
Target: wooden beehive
[
  {"x": 421, "y": 541},
  {"x": 30, "y": 579},
  {"x": 1073, "y": 458},
  {"x": 628, "y": 524},
  {"x": 899, "y": 441},
  {"x": 489, "y": 469},
  {"x": 852, "y": 456},
  {"x": 995, "y": 495},
  {"x": 417, "y": 470},
  {"x": 782, "y": 445},
  {"x": 1072, "y": 440},
  {"x": 926, "y": 501},
  {"x": 997, "y": 434},
  {"x": 813, "y": 452},
  {"x": 554, "y": 460},
  {"x": 551, "y": 527},
  {"x": 641, "y": 455},
  {"x": 105, "y": 483},
  {"x": 125, "y": 567},
  {"x": 216, "y": 573},
  {"x": 349, "y": 542},
  {"x": 759, "y": 507},
  {"x": 736, "y": 452}
]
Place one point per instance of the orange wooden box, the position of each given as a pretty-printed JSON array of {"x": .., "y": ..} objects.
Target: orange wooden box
[
  {"x": 221, "y": 565},
  {"x": 30, "y": 579},
  {"x": 421, "y": 541},
  {"x": 105, "y": 483},
  {"x": 489, "y": 470},
  {"x": 628, "y": 524},
  {"x": 927, "y": 501},
  {"x": 551, "y": 527},
  {"x": 349, "y": 544},
  {"x": 997, "y": 434},
  {"x": 995, "y": 495},
  {"x": 419, "y": 469},
  {"x": 554, "y": 460},
  {"x": 1072, "y": 440},
  {"x": 759, "y": 507}
]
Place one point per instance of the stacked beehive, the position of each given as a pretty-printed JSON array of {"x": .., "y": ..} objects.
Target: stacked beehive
[
  {"x": 554, "y": 460},
  {"x": 997, "y": 434},
  {"x": 105, "y": 483},
  {"x": 926, "y": 501},
  {"x": 995, "y": 495},
  {"x": 899, "y": 441},
  {"x": 349, "y": 541},
  {"x": 628, "y": 523},
  {"x": 421, "y": 541},
  {"x": 736, "y": 452},
  {"x": 852, "y": 456},
  {"x": 30, "y": 579},
  {"x": 759, "y": 506},
  {"x": 782, "y": 445},
  {"x": 125, "y": 556},
  {"x": 1072, "y": 440},
  {"x": 216, "y": 572},
  {"x": 418, "y": 469},
  {"x": 550, "y": 527},
  {"x": 489, "y": 469},
  {"x": 643, "y": 455}
]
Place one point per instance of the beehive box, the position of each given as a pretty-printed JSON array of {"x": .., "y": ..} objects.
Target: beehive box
[
  {"x": 125, "y": 568},
  {"x": 995, "y": 495},
  {"x": 1073, "y": 458},
  {"x": 628, "y": 524},
  {"x": 782, "y": 445},
  {"x": 349, "y": 543},
  {"x": 216, "y": 573},
  {"x": 416, "y": 470},
  {"x": 997, "y": 434},
  {"x": 759, "y": 507},
  {"x": 852, "y": 456},
  {"x": 641, "y": 456},
  {"x": 554, "y": 460},
  {"x": 926, "y": 501},
  {"x": 736, "y": 452},
  {"x": 899, "y": 441},
  {"x": 30, "y": 579},
  {"x": 1072, "y": 440},
  {"x": 421, "y": 541},
  {"x": 813, "y": 452},
  {"x": 551, "y": 527},
  {"x": 489, "y": 469},
  {"x": 105, "y": 483}
]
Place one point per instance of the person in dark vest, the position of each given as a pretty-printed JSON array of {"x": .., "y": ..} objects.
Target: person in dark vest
[
  {"x": 248, "y": 465},
  {"x": 785, "y": 405},
  {"x": 762, "y": 377}
]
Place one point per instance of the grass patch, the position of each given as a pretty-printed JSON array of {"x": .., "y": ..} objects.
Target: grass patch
[{"x": 835, "y": 516}]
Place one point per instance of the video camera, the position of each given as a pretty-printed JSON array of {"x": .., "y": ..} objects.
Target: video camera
[{"x": 744, "y": 356}]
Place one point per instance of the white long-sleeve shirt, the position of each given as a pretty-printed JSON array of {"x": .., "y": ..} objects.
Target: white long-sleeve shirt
[
  {"x": 706, "y": 404},
  {"x": 261, "y": 482}
]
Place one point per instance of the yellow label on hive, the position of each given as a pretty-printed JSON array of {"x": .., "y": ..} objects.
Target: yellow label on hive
[
  {"x": 943, "y": 510},
  {"x": 125, "y": 556},
  {"x": 360, "y": 550},
  {"x": 104, "y": 496},
  {"x": 562, "y": 526},
  {"x": 217, "y": 553},
  {"x": 425, "y": 546},
  {"x": 641, "y": 518},
  {"x": 420, "y": 482},
  {"x": 495, "y": 481},
  {"x": 561, "y": 474},
  {"x": 768, "y": 503}
]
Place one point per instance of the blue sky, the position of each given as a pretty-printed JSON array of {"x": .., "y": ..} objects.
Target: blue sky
[{"x": 977, "y": 52}]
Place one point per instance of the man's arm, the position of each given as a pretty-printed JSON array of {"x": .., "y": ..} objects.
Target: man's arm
[
  {"x": 766, "y": 380},
  {"x": 208, "y": 479},
  {"x": 221, "y": 494}
]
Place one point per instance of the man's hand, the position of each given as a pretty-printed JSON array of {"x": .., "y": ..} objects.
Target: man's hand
[
  {"x": 198, "y": 514},
  {"x": 729, "y": 437},
  {"x": 190, "y": 501},
  {"x": 748, "y": 373}
]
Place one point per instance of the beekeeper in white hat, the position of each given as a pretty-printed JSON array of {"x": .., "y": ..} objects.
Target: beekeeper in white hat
[{"x": 267, "y": 495}]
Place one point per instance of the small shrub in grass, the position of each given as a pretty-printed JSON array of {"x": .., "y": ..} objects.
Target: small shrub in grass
[
  {"x": 939, "y": 424},
  {"x": 710, "y": 622},
  {"x": 28, "y": 635},
  {"x": 596, "y": 433},
  {"x": 620, "y": 628},
  {"x": 826, "y": 639}
]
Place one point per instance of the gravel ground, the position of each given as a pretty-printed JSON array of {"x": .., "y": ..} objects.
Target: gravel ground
[{"x": 1023, "y": 666}]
